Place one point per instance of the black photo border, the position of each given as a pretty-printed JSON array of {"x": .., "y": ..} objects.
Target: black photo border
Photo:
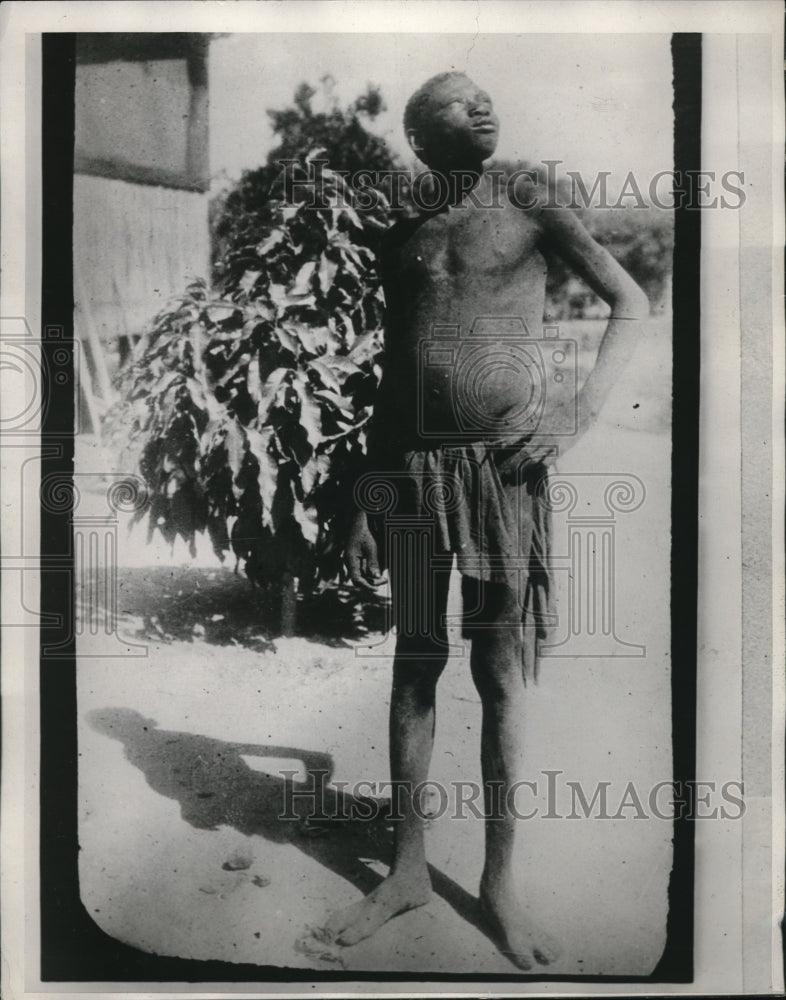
[{"x": 73, "y": 947}]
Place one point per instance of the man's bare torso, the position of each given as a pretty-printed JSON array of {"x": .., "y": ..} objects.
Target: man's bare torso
[{"x": 457, "y": 288}]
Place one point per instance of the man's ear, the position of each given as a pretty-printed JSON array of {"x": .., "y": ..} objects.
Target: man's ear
[{"x": 414, "y": 140}]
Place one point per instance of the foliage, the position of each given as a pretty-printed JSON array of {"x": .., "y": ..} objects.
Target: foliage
[{"x": 250, "y": 408}]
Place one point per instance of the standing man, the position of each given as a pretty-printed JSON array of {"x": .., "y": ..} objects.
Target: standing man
[{"x": 462, "y": 433}]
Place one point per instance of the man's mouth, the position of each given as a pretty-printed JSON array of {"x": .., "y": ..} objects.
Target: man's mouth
[{"x": 486, "y": 126}]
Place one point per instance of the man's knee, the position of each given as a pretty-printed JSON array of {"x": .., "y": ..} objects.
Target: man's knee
[
  {"x": 415, "y": 679},
  {"x": 489, "y": 606},
  {"x": 421, "y": 654},
  {"x": 497, "y": 666},
  {"x": 497, "y": 651}
]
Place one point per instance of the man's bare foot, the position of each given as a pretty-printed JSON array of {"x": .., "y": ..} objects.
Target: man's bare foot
[
  {"x": 514, "y": 933},
  {"x": 397, "y": 894}
]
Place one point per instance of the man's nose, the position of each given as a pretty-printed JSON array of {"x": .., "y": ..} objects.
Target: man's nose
[{"x": 481, "y": 107}]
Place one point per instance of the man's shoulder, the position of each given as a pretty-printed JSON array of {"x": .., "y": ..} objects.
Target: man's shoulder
[
  {"x": 395, "y": 238},
  {"x": 526, "y": 190},
  {"x": 402, "y": 231},
  {"x": 548, "y": 208}
]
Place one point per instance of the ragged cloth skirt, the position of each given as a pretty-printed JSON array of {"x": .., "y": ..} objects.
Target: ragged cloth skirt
[{"x": 456, "y": 501}]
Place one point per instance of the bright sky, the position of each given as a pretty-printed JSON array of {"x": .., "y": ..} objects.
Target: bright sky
[{"x": 597, "y": 102}]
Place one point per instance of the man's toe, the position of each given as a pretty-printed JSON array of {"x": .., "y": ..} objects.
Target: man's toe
[
  {"x": 547, "y": 952},
  {"x": 350, "y": 936},
  {"x": 521, "y": 959}
]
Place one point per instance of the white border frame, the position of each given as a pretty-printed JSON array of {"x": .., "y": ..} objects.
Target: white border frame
[{"x": 723, "y": 964}]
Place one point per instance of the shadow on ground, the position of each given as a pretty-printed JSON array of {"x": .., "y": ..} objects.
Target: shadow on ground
[
  {"x": 215, "y": 787},
  {"x": 223, "y": 608}
]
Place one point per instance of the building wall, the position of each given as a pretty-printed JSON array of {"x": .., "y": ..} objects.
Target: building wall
[
  {"x": 141, "y": 177},
  {"x": 135, "y": 245},
  {"x": 142, "y": 108}
]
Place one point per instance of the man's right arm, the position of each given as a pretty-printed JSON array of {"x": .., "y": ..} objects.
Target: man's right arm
[{"x": 360, "y": 551}]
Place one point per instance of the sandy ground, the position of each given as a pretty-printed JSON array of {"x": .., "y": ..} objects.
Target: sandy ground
[{"x": 181, "y": 749}]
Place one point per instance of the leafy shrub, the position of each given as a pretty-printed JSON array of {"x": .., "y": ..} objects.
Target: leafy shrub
[{"x": 248, "y": 410}]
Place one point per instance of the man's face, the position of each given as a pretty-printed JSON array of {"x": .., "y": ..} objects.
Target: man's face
[{"x": 460, "y": 126}]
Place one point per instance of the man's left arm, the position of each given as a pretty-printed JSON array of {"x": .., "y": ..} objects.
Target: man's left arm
[{"x": 564, "y": 233}]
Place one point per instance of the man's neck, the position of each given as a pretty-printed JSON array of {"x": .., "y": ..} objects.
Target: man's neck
[{"x": 460, "y": 180}]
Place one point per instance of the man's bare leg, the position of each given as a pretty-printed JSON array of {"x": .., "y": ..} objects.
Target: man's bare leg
[
  {"x": 417, "y": 666},
  {"x": 496, "y": 670}
]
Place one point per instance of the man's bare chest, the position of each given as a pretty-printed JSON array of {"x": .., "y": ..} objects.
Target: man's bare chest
[{"x": 470, "y": 243}]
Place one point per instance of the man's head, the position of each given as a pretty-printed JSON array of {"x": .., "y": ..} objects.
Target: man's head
[{"x": 450, "y": 122}]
